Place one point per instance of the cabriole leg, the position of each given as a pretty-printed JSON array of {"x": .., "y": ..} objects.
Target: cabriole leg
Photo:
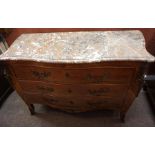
[
  {"x": 122, "y": 117},
  {"x": 31, "y": 108}
]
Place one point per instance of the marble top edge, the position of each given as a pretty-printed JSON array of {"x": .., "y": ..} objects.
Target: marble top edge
[
  {"x": 80, "y": 47},
  {"x": 118, "y": 31},
  {"x": 78, "y": 61}
]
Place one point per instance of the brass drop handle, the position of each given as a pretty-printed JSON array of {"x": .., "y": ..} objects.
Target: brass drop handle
[
  {"x": 98, "y": 92},
  {"x": 97, "y": 79},
  {"x": 45, "y": 89},
  {"x": 6, "y": 75},
  {"x": 41, "y": 75}
]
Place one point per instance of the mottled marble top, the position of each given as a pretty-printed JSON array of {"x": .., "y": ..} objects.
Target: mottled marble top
[{"x": 78, "y": 47}]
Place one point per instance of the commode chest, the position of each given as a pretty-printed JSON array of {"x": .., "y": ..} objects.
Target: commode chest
[{"x": 78, "y": 71}]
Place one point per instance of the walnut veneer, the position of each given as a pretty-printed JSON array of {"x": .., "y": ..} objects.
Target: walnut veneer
[{"x": 77, "y": 87}]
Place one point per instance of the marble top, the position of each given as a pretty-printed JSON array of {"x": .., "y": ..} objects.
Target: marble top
[{"x": 78, "y": 47}]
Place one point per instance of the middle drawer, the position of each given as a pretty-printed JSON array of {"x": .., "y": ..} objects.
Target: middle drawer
[{"x": 74, "y": 89}]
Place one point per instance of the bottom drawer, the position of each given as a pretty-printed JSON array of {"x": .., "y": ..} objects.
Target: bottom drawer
[{"x": 75, "y": 104}]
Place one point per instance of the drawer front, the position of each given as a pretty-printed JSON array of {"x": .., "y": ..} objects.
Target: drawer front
[
  {"x": 118, "y": 90},
  {"x": 86, "y": 75},
  {"x": 74, "y": 104}
]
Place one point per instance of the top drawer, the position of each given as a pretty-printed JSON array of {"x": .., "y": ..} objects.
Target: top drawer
[{"x": 74, "y": 75}]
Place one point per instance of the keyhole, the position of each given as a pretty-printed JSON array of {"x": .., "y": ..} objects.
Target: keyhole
[
  {"x": 69, "y": 91},
  {"x": 71, "y": 102},
  {"x": 67, "y": 74}
]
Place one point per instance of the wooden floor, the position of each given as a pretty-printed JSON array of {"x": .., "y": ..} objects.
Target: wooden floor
[{"x": 15, "y": 113}]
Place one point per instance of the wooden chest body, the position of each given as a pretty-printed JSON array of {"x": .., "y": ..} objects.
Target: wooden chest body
[{"x": 77, "y": 87}]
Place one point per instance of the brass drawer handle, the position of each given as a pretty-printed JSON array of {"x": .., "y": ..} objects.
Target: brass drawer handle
[
  {"x": 41, "y": 75},
  {"x": 45, "y": 89},
  {"x": 95, "y": 104},
  {"x": 50, "y": 100},
  {"x": 99, "y": 92},
  {"x": 8, "y": 78},
  {"x": 97, "y": 79},
  {"x": 141, "y": 78}
]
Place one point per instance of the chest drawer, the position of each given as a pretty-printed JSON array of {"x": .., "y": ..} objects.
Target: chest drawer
[
  {"x": 75, "y": 104},
  {"x": 118, "y": 90},
  {"x": 76, "y": 75}
]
